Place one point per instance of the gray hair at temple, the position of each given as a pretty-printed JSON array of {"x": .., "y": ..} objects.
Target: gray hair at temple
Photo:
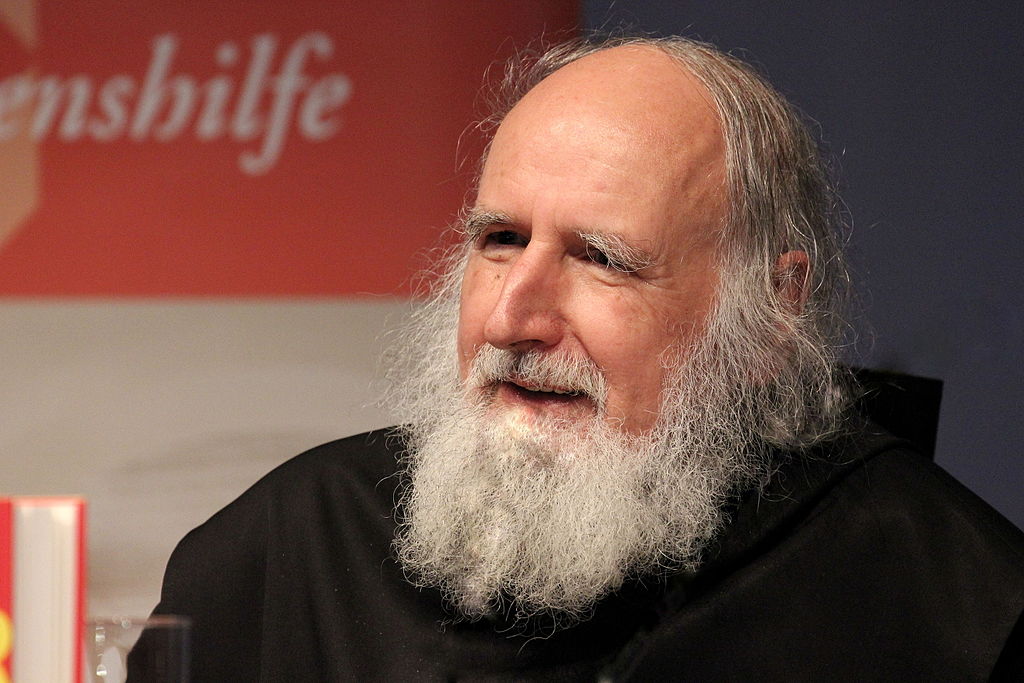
[{"x": 780, "y": 199}]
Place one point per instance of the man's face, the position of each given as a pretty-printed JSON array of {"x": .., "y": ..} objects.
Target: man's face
[{"x": 596, "y": 227}]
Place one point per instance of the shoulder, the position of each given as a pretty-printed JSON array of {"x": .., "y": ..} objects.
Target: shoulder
[
  {"x": 931, "y": 555},
  {"x": 863, "y": 546},
  {"x": 917, "y": 503},
  {"x": 221, "y": 573},
  {"x": 359, "y": 471},
  {"x": 345, "y": 467},
  {"x": 889, "y": 500},
  {"x": 358, "y": 460}
]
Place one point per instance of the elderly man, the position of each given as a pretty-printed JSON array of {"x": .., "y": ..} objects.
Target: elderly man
[{"x": 628, "y": 451}]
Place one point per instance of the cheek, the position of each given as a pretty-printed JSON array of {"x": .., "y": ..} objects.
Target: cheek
[
  {"x": 627, "y": 330},
  {"x": 629, "y": 338},
  {"x": 468, "y": 338},
  {"x": 472, "y": 318},
  {"x": 634, "y": 367},
  {"x": 618, "y": 335}
]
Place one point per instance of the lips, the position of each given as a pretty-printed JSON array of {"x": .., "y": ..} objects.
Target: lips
[
  {"x": 544, "y": 389},
  {"x": 542, "y": 401}
]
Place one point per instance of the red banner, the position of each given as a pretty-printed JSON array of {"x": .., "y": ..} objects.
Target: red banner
[{"x": 240, "y": 149}]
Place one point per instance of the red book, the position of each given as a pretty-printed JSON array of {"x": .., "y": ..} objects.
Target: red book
[{"x": 42, "y": 588}]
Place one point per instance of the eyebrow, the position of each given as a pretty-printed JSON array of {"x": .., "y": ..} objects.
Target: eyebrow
[
  {"x": 477, "y": 221},
  {"x": 621, "y": 255}
]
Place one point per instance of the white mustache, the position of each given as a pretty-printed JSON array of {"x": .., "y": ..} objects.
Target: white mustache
[{"x": 545, "y": 371}]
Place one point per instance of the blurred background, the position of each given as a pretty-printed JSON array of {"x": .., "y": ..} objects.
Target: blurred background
[{"x": 205, "y": 232}]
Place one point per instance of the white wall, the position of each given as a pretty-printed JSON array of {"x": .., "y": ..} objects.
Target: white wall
[{"x": 162, "y": 412}]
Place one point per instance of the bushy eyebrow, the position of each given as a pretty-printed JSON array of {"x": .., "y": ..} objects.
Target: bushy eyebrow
[
  {"x": 621, "y": 255},
  {"x": 475, "y": 222}
]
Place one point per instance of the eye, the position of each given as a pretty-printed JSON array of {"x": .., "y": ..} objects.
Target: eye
[
  {"x": 597, "y": 256},
  {"x": 504, "y": 238}
]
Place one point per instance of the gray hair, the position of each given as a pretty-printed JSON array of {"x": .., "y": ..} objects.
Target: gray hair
[{"x": 780, "y": 199}]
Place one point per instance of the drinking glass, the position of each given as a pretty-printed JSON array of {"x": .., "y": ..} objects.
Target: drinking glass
[{"x": 162, "y": 656}]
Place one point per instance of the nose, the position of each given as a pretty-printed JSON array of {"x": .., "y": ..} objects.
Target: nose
[{"x": 527, "y": 314}]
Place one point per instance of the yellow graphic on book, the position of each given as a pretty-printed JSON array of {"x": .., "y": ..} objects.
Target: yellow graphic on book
[{"x": 5, "y": 648}]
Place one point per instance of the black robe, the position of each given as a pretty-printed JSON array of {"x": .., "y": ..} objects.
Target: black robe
[{"x": 862, "y": 561}]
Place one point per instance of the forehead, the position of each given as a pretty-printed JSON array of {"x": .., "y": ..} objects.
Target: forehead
[{"x": 622, "y": 139}]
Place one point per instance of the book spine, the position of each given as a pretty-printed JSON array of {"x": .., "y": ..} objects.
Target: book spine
[
  {"x": 81, "y": 589},
  {"x": 47, "y": 568},
  {"x": 6, "y": 589}
]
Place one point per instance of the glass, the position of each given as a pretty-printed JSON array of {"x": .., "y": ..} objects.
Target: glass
[{"x": 163, "y": 655}]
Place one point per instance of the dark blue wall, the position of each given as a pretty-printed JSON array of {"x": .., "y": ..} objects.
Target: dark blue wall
[{"x": 921, "y": 104}]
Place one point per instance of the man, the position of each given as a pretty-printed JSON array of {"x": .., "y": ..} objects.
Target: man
[{"x": 628, "y": 450}]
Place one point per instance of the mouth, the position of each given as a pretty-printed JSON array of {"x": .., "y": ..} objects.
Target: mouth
[
  {"x": 532, "y": 388},
  {"x": 551, "y": 401}
]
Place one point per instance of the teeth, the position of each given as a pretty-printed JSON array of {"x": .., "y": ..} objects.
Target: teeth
[{"x": 547, "y": 390}]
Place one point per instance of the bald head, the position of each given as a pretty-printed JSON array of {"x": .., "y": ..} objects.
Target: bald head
[
  {"x": 644, "y": 114},
  {"x": 649, "y": 92}
]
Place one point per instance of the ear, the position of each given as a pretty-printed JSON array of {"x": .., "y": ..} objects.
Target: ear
[{"x": 791, "y": 279}]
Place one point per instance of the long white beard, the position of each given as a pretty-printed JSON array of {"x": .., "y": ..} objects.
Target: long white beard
[
  {"x": 549, "y": 517},
  {"x": 552, "y": 517}
]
